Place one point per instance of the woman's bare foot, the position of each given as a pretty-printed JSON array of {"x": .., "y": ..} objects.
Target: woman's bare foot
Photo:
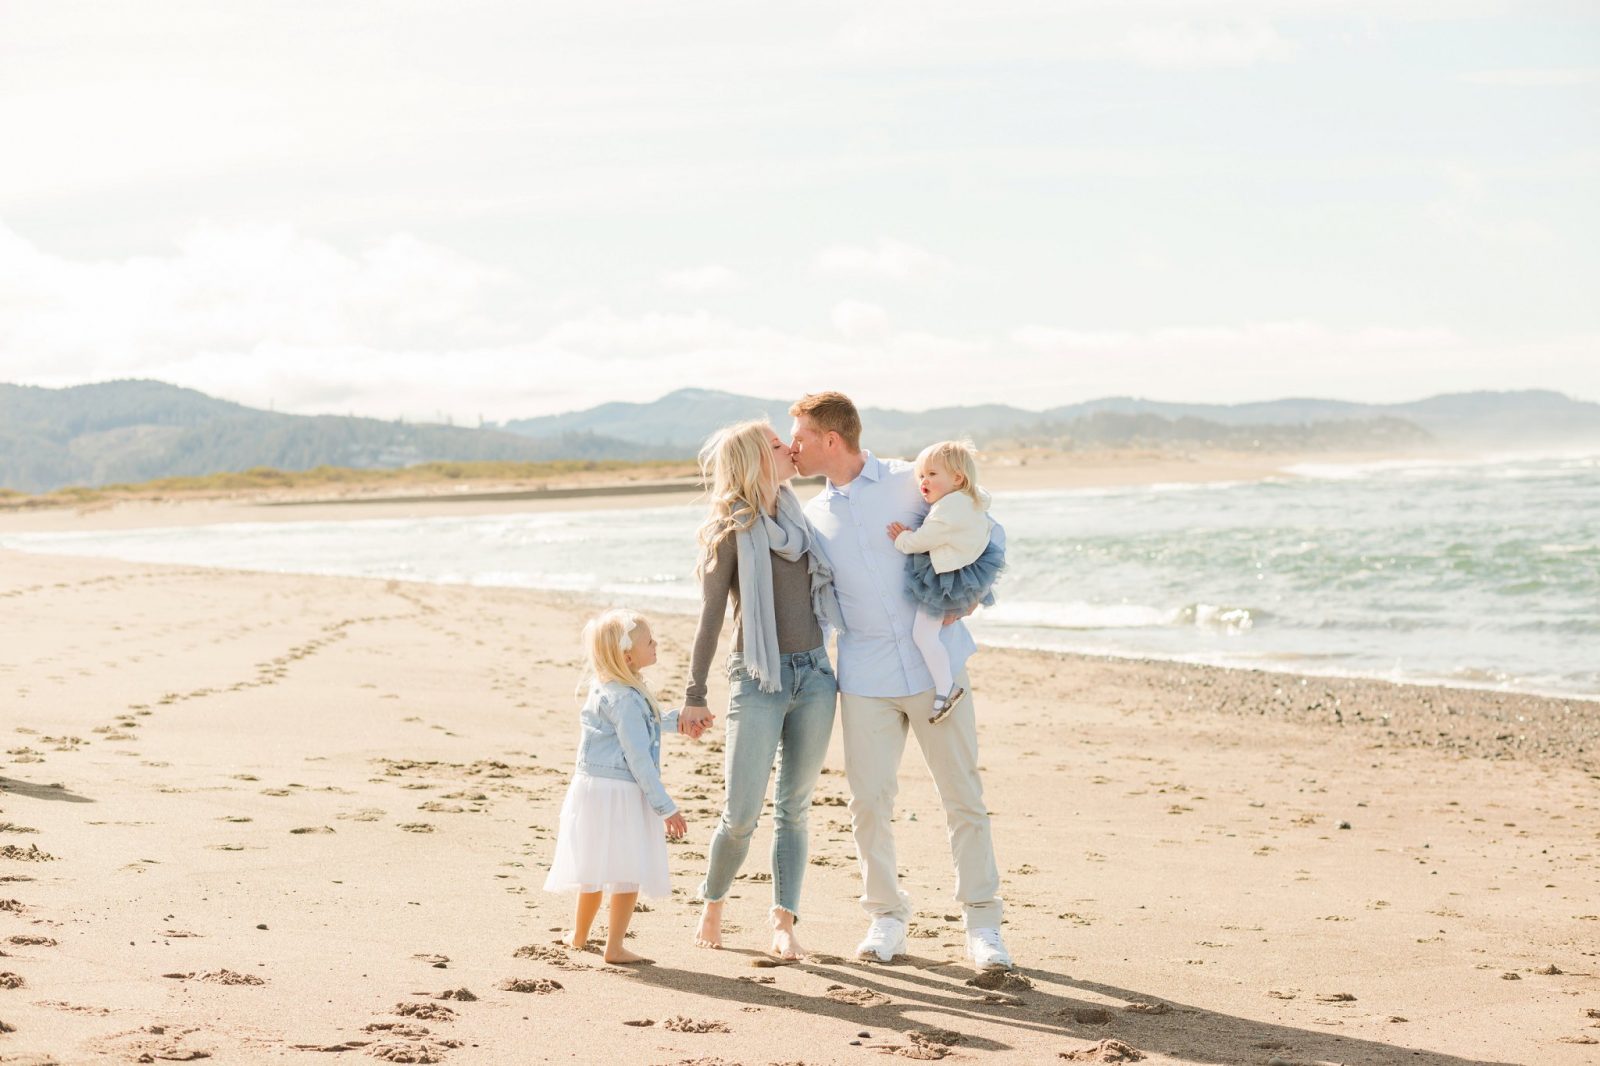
[
  {"x": 785, "y": 945},
  {"x": 709, "y": 935},
  {"x": 622, "y": 956}
]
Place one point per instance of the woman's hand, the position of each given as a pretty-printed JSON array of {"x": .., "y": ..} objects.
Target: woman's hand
[
  {"x": 676, "y": 828},
  {"x": 896, "y": 528},
  {"x": 693, "y": 721}
]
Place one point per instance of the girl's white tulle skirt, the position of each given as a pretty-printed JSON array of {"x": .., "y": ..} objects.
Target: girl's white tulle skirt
[{"x": 610, "y": 840}]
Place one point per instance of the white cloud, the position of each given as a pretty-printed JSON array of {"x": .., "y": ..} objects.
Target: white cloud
[
  {"x": 712, "y": 278},
  {"x": 235, "y": 289},
  {"x": 1221, "y": 43},
  {"x": 888, "y": 261},
  {"x": 860, "y": 321}
]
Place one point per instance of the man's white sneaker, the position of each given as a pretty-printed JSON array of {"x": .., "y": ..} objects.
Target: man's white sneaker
[
  {"x": 885, "y": 939},
  {"x": 987, "y": 951}
]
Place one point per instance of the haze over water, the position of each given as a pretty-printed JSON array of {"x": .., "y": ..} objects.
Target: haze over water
[{"x": 1480, "y": 573}]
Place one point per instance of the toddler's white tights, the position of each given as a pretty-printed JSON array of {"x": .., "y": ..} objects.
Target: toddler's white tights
[{"x": 925, "y": 631}]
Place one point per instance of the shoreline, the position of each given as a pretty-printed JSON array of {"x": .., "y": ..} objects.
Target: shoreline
[
  {"x": 1578, "y": 746},
  {"x": 581, "y": 600}
]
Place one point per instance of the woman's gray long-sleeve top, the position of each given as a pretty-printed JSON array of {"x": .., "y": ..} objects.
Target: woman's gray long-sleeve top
[{"x": 791, "y": 592}]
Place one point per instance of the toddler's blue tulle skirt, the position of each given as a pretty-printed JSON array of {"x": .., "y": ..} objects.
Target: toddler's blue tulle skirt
[{"x": 958, "y": 590}]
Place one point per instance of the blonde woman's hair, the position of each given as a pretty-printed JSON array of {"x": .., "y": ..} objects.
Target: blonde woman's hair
[
  {"x": 737, "y": 469},
  {"x": 959, "y": 457},
  {"x": 607, "y": 638}
]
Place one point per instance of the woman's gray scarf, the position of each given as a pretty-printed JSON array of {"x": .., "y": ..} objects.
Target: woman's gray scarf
[{"x": 789, "y": 536}]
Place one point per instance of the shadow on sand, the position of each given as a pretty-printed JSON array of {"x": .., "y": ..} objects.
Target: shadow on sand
[
  {"x": 29, "y": 790},
  {"x": 924, "y": 993}
]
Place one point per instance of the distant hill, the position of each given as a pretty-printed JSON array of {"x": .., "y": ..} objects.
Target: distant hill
[
  {"x": 129, "y": 431},
  {"x": 1529, "y": 417},
  {"x": 679, "y": 421}
]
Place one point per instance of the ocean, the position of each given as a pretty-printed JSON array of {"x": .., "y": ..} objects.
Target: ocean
[{"x": 1483, "y": 573}]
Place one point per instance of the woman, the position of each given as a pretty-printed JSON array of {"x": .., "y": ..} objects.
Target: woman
[{"x": 757, "y": 550}]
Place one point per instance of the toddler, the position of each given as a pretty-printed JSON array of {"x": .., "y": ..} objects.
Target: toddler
[
  {"x": 952, "y": 566},
  {"x": 610, "y": 838}
]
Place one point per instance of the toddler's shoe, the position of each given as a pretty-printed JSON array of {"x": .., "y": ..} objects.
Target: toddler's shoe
[{"x": 943, "y": 705}]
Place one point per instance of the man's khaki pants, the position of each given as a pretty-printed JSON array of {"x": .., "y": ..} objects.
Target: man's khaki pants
[{"x": 874, "y": 742}]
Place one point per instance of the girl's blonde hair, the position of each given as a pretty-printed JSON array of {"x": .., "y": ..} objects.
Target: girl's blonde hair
[
  {"x": 607, "y": 638},
  {"x": 737, "y": 469},
  {"x": 957, "y": 456}
]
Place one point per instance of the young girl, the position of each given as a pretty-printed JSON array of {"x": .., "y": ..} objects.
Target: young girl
[
  {"x": 952, "y": 565},
  {"x": 610, "y": 838}
]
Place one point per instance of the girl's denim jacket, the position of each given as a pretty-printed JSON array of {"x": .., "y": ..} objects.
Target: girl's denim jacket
[{"x": 622, "y": 741}]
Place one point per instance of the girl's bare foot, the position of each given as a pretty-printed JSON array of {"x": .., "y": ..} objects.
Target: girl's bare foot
[
  {"x": 709, "y": 935},
  {"x": 622, "y": 956}
]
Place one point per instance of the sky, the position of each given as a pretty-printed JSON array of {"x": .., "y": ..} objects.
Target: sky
[{"x": 474, "y": 210}]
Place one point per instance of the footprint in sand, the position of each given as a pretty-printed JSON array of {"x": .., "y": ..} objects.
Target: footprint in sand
[
  {"x": 429, "y": 1012},
  {"x": 219, "y": 977},
  {"x": 1108, "y": 1050},
  {"x": 680, "y": 1024},
  {"x": 405, "y": 1030},
  {"x": 551, "y": 954},
  {"x": 856, "y": 997},
  {"x": 538, "y": 985},
  {"x": 927, "y": 1044},
  {"x": 408, "y": 1052},
  {"x": 1001, "y": 981}
]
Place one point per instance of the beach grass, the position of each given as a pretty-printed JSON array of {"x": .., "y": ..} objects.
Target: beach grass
[{"x": 422, "y": 475}]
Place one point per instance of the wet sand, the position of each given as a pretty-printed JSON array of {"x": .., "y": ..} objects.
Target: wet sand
[{"x": 279, "y": 818}]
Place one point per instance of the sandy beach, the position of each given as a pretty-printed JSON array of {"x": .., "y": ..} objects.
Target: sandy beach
[{"x": 264, "y": 818}]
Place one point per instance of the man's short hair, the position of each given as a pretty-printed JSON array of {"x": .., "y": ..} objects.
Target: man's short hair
[{"x": 831, "y": 412}]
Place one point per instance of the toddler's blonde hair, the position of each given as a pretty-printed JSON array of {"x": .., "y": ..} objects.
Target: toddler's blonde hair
[
  {"x": 957, "y": 456},
  {"x": 607, "y": 638},
  {"x": 736, "y": 466}
]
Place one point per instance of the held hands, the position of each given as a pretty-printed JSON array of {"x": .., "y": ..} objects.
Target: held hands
[
  {"x": 692, "y": 721},
  {"x": 676, "y": 829},
  {"x": 897, "y": 528}
]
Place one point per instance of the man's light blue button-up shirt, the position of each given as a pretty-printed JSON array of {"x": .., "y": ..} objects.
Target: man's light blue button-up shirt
[{"x": 876, "y": 655}]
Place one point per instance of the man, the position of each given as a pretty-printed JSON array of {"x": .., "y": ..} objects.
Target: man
[{"x": 885, "y": 689}]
